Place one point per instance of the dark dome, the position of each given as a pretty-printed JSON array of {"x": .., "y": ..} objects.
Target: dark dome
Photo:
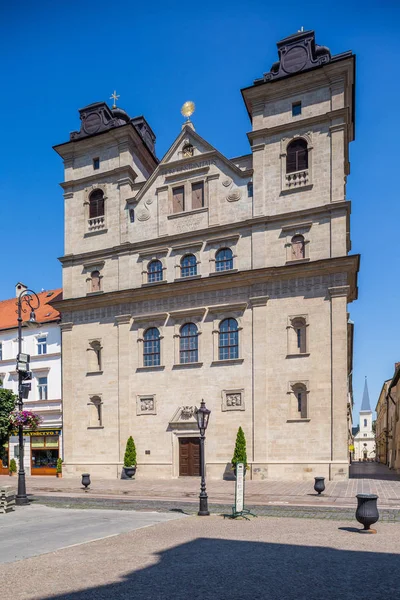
[{"x": 120, "y": 114}]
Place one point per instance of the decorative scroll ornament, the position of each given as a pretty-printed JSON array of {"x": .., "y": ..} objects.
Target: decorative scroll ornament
[
  {"x": 227, "y": 182},
  {"x": 234, "y": 196},
  {"x": 143, "y": 213},
  {"x": 149, "y": 201},
  {"x": 187, "y": 412}
]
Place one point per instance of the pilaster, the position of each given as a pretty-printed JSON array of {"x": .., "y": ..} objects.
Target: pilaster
[{"x": 123, "y": 322}]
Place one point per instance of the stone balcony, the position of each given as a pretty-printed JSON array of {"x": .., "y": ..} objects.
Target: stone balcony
[
  {"x": 96, "y": 223},
  {"x": 297, "y": 179}
]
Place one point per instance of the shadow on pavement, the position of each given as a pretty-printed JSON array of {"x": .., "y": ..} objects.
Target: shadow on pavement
[
  {"x": 240, "y": 570},
  {"x": 372, "y": 470}
]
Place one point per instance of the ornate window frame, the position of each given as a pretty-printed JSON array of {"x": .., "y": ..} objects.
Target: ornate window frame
[
  {"x": 299, "y": 180},
  {"x": 142, "y": 323},
  {"x": 214, "y": 245},
  {"x": 292, "y": 349},
  {"x": 97, "y": 224},
  {"x": 179, "y": 252},
  {"x": 293, "y": 387},
  {"x": 219, "y": 314},
  {"x": 91, "y": 404},
  {"x": 289, "y": 232},
  {"x": 88, "y": 269},
  {"x": 187, "y": 185},
  {"x": 147, "y": 257},
  {"x": 179, "y": 318}
]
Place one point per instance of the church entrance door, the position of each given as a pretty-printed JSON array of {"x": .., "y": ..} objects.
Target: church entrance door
[{"x": 189, "y": 457}]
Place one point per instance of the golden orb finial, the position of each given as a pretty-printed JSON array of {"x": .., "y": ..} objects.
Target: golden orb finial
[{"x": 188, "y": 109}]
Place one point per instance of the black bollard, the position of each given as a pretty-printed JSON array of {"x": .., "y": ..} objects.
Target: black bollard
[
  {"x": 367, "y": 511},
  {"x": 319, "y": 484},
  {"x": 86, "y": 480}
]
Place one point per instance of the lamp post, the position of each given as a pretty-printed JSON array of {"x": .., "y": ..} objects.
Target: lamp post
[
  {"x": 33, "y": 302},
  {"x": 202, "y": 416}
]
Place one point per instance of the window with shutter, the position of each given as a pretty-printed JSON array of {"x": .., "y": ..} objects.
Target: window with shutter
[
  {"x": 297, "y": 156},
  {"x": 197, "y": 195},
  {"x": 178, "y": 199}
]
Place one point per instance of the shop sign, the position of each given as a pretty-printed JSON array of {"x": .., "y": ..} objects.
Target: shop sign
[{"x": 44, "y": 432}]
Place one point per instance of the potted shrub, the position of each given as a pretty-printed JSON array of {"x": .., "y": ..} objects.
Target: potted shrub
[
  {"x": 13, "y": 467},
  {"x": 129, "y": 469},
  {"x": 59, "y": 467},
  {"x": 240, "y": 454}
]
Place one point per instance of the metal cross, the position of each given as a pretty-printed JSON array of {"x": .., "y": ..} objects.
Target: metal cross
[{"x": 115, "y": 98}]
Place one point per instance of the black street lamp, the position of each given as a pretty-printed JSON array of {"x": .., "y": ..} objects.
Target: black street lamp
[
  {"x": 202, "y": 416},
  {"x": 33, "y": 302}
]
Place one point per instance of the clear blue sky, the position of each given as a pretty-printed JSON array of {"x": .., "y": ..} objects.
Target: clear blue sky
[{"x": 61, "y": 55}]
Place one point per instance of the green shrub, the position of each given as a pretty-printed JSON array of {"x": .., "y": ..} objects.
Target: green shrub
[
  {"x": 59, "y": 465},
  {"x": 130, "y": 453},
  {"x": 239, "y": 454},
  {"x": 13, "y": 466}
]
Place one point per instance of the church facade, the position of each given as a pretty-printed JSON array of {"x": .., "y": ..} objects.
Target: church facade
[
  {"x": 202, "y": 276},
  {"x": 364, "y": 439}
]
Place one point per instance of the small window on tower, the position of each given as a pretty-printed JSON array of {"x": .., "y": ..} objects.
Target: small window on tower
[
  {"x": 296, "y": 109},
  {"x": 96, "y": 164}
]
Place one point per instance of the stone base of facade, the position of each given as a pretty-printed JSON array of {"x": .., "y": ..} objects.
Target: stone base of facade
[{"x": 215, "y": 471}]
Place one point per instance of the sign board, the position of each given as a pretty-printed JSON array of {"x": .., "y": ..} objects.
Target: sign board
[
  {"x": 239, "y": 490},
  {"x": 22, "y": 357},
  {"x": 43, "y": 432},
  {"x": 351, "y": 448}
]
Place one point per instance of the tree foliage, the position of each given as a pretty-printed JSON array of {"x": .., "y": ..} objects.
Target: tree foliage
[
  {"x": 239, "y": 454},
  {"x": 7, "y": 404},
  {"x": 130, "y": 453}
]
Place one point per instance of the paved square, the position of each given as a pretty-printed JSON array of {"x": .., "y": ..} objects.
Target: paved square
[{"x": 211, "y": 558}]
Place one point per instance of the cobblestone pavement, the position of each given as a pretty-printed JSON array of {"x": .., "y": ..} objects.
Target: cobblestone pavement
[
  {"x": 365, "y": 478},
  {"x": 210, "y": 558}
]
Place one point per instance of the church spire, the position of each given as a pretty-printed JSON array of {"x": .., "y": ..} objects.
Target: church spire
[{"x": 365, "y": 405}]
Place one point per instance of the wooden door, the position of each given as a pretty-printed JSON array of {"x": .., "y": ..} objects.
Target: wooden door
[{"x": 189, "y": 457}]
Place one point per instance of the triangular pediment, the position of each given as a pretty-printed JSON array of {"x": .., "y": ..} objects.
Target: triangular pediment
[{"x": 188, "y": 154}]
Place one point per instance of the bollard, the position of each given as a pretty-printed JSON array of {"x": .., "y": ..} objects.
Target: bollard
[
  {"x": 319, "y": 484},
  {"x": 367, "y": 511},
  {"x": 86, "y": 480}
]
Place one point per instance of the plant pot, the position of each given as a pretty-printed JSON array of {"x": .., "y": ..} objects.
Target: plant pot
[
  {"x": 11, "y": 473},
  {"x": 128, "y": 472},
  {"x": 58, "y": 474},
  {"x": 367, "y": 511},
  {"x": 319, "y": 484}
]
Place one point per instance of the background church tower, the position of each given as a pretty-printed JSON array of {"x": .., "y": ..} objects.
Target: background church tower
[{"x": 364, "y": 442}]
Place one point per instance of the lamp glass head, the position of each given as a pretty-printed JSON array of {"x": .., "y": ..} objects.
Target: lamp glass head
[{"x": 188, "y": 109}]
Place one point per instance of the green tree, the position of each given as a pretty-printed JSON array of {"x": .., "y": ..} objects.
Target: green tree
[
  {"x": 239, "y": 454},
  {"x": 13, "y": 466},
  {"x": 7, "y": 404},
  {"x": 130, "y": 453},
  {"x": 374, "y": 426}
]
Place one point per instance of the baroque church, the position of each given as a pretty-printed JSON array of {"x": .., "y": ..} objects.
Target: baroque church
[
  {"x": 202, "y": 276},
  {"x": 364, "y": 436}
]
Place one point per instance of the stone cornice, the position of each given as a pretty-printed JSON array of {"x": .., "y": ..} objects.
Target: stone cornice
[
  {"x": 344, "y": 264},
  {"x": 222, "y": 231},
  {"x": 98, "y": 177},
  {"x": 300, "y": 124}
]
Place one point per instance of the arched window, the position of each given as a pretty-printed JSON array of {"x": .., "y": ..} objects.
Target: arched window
[
  {"x": 154, "y": 271},
  {"x": 298, "y": 247},
  {"x": 151, "y": 347},
  {"x": 96, "y": 204},
  {"x": 224, "y": 260},
  {"x": 96, "y": 281},
  {"x": 296, "y": 156},
  {"x": 188, "y": 265},
  {"x": 300, "y": 393},
  {"x": 299, "y": 326},
  {"x": 189, "y": 343},
  {"x": 228, "y": 343}
]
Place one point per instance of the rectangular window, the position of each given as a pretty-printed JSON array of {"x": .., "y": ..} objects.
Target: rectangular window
[
  {"x": 296, "y": 109},
  {"x": 178, "y": 199},
  {"x": 96, "y": 164},
  {"x": 197, "y": 195},
  {"x": 42, "y": 388},
  {"x": 250, "y": 189},
  {"x": 1, "y": 351},
  {"x": 42, "y": 345}
]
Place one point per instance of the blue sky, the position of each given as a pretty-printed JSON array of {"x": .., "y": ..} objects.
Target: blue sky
[{"x": 60, "y": 56}]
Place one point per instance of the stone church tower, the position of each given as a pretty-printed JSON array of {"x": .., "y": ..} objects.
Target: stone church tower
[
  {"x": 202, "y": 276},
  {"x": 364, "y": 440}
]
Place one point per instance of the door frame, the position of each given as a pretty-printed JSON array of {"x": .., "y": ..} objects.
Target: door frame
[{"x": 175, "y": 447}]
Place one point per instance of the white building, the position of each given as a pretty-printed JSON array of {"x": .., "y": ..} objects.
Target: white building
[
  {"x": 364, "y": 440},
  {"x": 43, "y": 344}
]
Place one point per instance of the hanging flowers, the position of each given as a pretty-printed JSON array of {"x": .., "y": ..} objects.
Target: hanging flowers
[{"x": 26, "y": 418}]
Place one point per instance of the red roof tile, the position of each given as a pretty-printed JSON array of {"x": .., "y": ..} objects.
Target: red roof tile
[{"x": 44, "y": 314}]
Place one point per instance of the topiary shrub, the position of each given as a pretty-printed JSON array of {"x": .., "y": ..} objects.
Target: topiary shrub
[
  {"x": 59, "y": 465},
  {"x": 130, "y": 453},
  {"x": 13, "y": 466},
  {"x": 239, "y": 454}
]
